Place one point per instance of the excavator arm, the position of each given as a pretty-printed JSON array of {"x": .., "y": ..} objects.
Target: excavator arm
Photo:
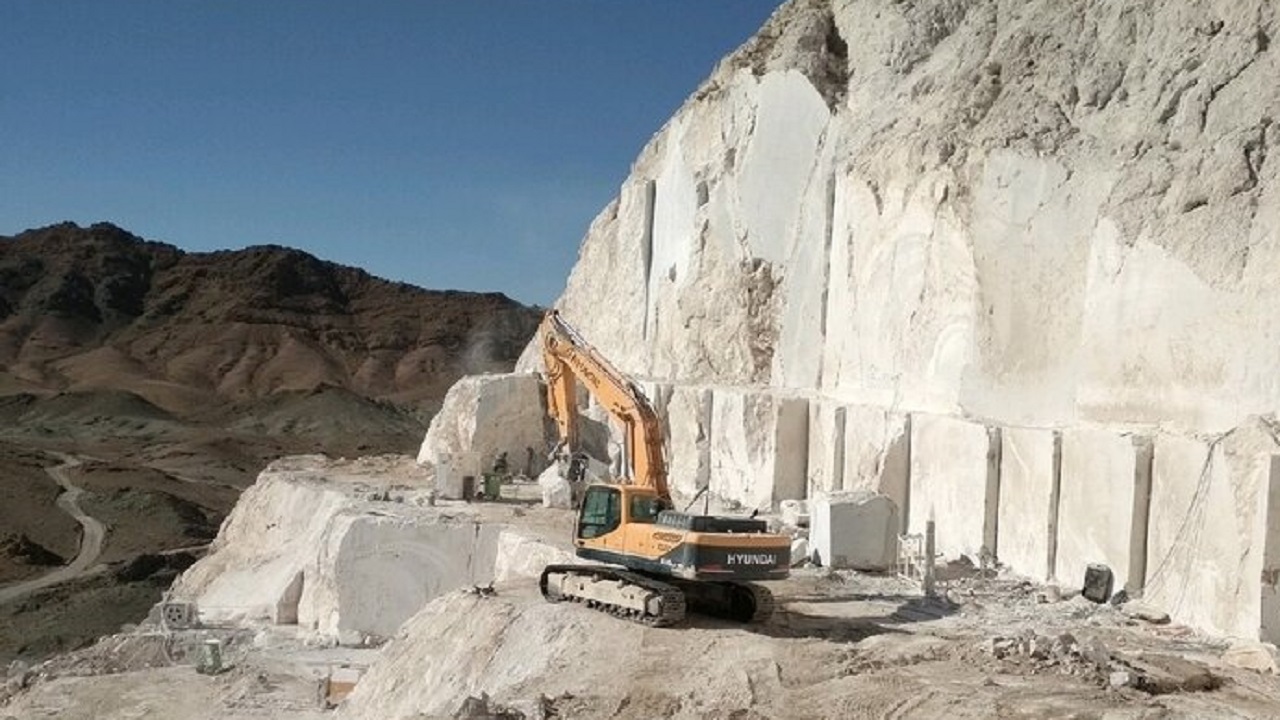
[{"x": 569, "y": 358}]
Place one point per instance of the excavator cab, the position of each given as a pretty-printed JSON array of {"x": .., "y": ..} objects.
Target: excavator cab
[
  {"x": 601, "y": 512},
  {"x": 605, "y": 508}
]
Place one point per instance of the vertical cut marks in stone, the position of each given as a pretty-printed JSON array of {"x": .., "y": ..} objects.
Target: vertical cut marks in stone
[
  {"x": 950, "y": 484},
  {"x": 1029, "y": 474},
  {"x": 646, "y": 245}
]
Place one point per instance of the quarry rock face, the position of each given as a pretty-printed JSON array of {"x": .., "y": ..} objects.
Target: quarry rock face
[
  {"x": 961, "y": 208},
  {"x": 688, "y": 428},
  {"x": 884, "y": 244},
  {"x": 484, "y": 416}
]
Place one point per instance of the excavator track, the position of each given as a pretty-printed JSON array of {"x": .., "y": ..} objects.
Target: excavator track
[
  {"x": 744, "y": 602},
  {"x": 616, "y": 591},
  {"x": 653, "y": 602}
]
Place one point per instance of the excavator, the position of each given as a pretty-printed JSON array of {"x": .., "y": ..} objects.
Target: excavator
[{"x": 655, "y": 562}]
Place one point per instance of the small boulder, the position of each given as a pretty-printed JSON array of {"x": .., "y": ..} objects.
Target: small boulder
[
  {"x": 557, "y": 491},
  {"x": 1096, "y": 652},
  {"x": 1039, "y": 647},
  {"x": 799, "y": 551},
  {"x": 1249, "y": 655},
  {"x": 1065, "y": 644},
  {"x": 795, "y": 513},
  {"x": 1098, "y": 581},
  {"x": 1120, "y": 679},
  {"x": 1000, "y": 647},
  {"x": 1145, "y": 613},
  {"x": 1157, "y": 674}
]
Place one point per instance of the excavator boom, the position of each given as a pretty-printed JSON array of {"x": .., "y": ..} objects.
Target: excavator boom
[{"x": 568, "y": 356}]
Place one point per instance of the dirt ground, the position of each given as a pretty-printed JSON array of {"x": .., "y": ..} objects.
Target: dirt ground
[{"x": 843, "y": 645}]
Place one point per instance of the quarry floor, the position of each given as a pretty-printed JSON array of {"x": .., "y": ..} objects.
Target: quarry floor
[{"x": 842, "y": 645}]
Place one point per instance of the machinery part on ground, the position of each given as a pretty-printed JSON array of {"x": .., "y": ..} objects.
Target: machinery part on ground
[
  {"x": 649, "y": 601},
  {"x": 614, "y": 590},
  {"x": 744, "y": 602}
]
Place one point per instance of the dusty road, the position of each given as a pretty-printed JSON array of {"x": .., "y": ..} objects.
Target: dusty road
[{"x": 91, "y": 538}]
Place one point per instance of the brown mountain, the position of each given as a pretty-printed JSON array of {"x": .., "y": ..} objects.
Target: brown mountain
[{"x": 86, "y": 309}]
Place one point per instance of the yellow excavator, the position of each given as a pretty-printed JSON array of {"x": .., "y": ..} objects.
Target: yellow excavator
[{"x": 660, "y": 562}]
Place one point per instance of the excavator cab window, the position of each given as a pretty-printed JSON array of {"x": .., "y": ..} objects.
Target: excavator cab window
[
  {"x": 601, "y": 512},
  {"x": 645, "y": 508}
]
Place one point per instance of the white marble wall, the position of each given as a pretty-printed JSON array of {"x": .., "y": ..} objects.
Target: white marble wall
[
  {"x": 954, "y": 481},
  {"x": 1101, "y": 512},
  {"x": 1210, "y": 547}
]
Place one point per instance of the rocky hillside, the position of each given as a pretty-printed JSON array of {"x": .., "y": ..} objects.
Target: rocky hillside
[
  {"x": 91, "y": 309},
  {"x": 1036, "y": 213}
]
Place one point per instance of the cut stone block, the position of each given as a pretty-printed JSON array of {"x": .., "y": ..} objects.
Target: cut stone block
[
  {"x": 799, "y": 551},
  {"x": 374, "y": 572},
  {"x": 303, "y": 546},
  {"x": 484, "y": 416},
  {"x": 1105, "y": 486},
  {"x": 1030, "y": 461},
  {"x": 857, "y": 530},
  {"x": 954, "y": 482},
  {"x": 759, "y": 447},
  {"x": 688, "y": 426},
  {"x": 877, "y": 454},
  {"x": 524, "y": 556},
  {"x": 269, "y": 538},
  {"x": 826, "y": 446},
  {"x": 1212, "y": 544},
  {"x": 557, "y": 492}
]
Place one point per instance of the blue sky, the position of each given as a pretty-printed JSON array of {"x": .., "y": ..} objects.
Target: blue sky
[{"x": 461, "y": 144}]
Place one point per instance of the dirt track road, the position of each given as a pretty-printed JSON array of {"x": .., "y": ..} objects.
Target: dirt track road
[{"x": 91, "y": 538}]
